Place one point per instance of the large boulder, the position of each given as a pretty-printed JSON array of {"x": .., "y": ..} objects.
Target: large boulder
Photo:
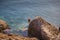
[
  {"x": 3, "y": 25},
  {"x": 41, "y": 29}
]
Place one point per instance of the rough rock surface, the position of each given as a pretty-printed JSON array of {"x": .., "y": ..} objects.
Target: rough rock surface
[
  {"x": 14, "y": 37},
  {"x": 42, "y": 30},
  {"x": 3, "y": 25},
  {"x": 38, "y": 28},
  {"x": 4, "y": 36}
]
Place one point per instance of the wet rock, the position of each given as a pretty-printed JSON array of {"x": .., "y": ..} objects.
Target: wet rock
[{"x": 41, "y": 29}]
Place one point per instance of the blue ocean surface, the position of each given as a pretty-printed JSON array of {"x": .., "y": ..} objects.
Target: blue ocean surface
[{"x": 16, "y": 12}]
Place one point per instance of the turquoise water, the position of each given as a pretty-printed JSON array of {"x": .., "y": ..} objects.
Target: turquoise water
[{"x": 16, "y": 12}]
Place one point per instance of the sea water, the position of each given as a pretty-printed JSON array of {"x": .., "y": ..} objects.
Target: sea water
[{"x": 16, "y": 12}]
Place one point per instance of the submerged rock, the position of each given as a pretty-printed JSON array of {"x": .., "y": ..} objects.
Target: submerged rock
[{"x": 42, "y": 30}]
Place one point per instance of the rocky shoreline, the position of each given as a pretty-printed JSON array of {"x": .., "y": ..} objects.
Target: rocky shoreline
[
  {"x": 14, "y": 37},
  {"x": 5, "y": 36},
  {"x": 38, "y": 29}
]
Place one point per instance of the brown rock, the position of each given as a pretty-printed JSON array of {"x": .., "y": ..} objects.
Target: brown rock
[
  {"x": 41, "y": 29},
  {"x": 3, "y": 25},
  {"x": 14, "y": 37}
]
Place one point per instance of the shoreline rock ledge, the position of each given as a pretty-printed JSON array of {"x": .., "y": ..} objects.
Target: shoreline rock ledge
[
  {"x": 38, "y": 29},
  {"x": 4, "y": 36},
  {"x": 41, "y": 29}
]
